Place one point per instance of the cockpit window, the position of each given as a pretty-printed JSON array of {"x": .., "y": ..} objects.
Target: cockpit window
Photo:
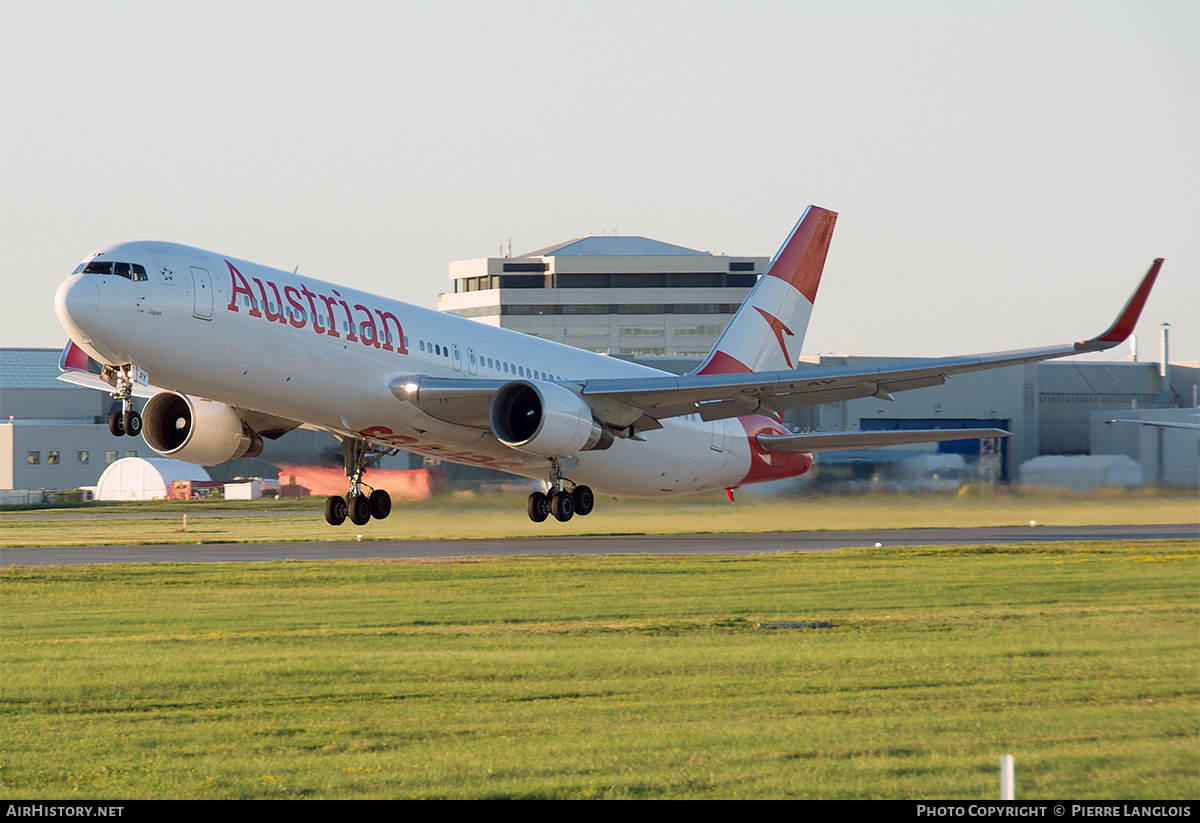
[{"x": 130, "y": 271}]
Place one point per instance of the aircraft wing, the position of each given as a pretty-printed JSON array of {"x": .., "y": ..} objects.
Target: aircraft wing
[
  {"x": 77, "y": 368},
  {"x": 841, "y": 441},
  {"x": 1160, "y": 424},
  {"x": 717, "y": 396},
  {"x": 80, "y": 370},
  {"x": 633, "y": 404}
]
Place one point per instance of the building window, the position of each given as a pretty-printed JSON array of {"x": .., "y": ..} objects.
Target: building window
[
  {"x": 585, "y": 281},
  {"x": 131, "y": 452},
  {"x": 646, "y": 280},
  {"x": 522, "y": 281},
  {"x": 35, "y": 458},
  {"x": 82, "y": 458},
  {"x": 52, "y": 458},
  {"x": 110, "y": 457}
]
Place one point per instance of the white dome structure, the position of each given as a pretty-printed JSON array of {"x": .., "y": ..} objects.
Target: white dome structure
[
  {"x": 1082, "y": 473},
  {"x": 144, "y": 478}
]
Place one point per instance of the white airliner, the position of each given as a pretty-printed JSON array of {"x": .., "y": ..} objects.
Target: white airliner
[{"x": 230, "y": 352}]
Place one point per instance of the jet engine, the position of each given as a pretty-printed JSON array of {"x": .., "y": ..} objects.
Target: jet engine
[
  {"x": 545, "y": 419},
  {"x": 196, "y": 430}
]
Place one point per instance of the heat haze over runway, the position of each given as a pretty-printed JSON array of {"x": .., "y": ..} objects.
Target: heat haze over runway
[{"x": 696, "y": 544}]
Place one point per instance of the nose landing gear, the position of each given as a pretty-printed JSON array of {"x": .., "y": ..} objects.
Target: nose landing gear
[
  {"x": 126, "y": 421},
  {"x": 561, "y": 503},
  {"x": 357, "y": 505}
]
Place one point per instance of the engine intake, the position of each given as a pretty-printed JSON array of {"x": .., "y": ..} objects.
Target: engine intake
[
  {"x": 196, "y": 430},
  {"x": 545, "y": 419}
]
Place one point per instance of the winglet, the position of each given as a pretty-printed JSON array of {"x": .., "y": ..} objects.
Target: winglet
[
  {"x": 73, "y": 358},
  {"x": 1123, "y": 326}
]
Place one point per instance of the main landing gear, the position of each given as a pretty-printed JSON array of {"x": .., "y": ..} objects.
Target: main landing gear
[
  {"x": 358, "y": 505},
  {"x": 126, "y": 421},
  {"x": 559, "y": 502}
]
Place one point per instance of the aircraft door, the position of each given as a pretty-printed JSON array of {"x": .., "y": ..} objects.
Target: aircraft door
[
  {"x": 472, "y": 362},
  {"x": 202, "y": 293},
  {"x": 456, "y": 356},
  {"x": 718, "y": 436}
]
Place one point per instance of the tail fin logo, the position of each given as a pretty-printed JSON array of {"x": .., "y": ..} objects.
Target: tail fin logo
[{"x": 780, "y": 330}]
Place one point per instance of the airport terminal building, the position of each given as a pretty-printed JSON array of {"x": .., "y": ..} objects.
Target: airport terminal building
[{"x": 621, "y": 295}]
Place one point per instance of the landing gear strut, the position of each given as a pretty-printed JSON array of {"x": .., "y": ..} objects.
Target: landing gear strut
[
  {"x": 358, "y": 505},
  {"x": 126, "y": 421},
  {"x": 561, "y": 503}
]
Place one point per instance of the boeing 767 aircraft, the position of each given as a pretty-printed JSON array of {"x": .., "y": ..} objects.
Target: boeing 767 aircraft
[{"x": 229, "y": 352}]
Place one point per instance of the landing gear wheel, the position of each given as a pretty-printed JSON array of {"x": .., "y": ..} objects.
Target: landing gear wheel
[
  {"x": 359, "y": 455},
  {"x": 583, "y": 500},
  {"x": 380, "y": 504},
  {"x": 131, "y": 421},
  {"x": 335, "y": 511},
  {"x": 359, "y": 508},
  {"x": 562, "y": 506},
  {"x": 116, "y": 424},
  {"x": 537, "y": 507}
]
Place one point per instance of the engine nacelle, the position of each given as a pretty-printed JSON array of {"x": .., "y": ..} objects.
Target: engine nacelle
[
  {"x": 545, "y": 419},
  {"x": 196, "y": 430}
]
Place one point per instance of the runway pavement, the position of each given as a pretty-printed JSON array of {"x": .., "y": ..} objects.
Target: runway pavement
[{"x": 726, "y": 544}]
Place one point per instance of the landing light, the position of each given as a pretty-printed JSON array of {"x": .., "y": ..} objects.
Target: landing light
[{"x": 411, "y": 388}]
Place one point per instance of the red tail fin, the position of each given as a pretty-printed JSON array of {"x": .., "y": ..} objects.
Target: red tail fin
[{"x": 768, "y": 330}]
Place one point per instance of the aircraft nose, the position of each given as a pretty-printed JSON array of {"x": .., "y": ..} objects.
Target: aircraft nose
[{"x": 76, "y": 302}]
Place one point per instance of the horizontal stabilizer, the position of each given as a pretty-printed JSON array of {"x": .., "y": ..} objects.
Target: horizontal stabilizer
[{"x": 840, "y": 441}]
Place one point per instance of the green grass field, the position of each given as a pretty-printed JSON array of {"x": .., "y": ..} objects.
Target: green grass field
[
  {"x": 504, "y": 516},
  {"x": 609, "y": 677}
]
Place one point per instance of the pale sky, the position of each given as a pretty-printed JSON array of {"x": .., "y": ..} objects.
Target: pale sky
[{"x": 1004, "y": 172}]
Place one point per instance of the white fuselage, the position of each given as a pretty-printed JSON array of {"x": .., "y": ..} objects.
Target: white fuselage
[{"x": 288, "y": 345}]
